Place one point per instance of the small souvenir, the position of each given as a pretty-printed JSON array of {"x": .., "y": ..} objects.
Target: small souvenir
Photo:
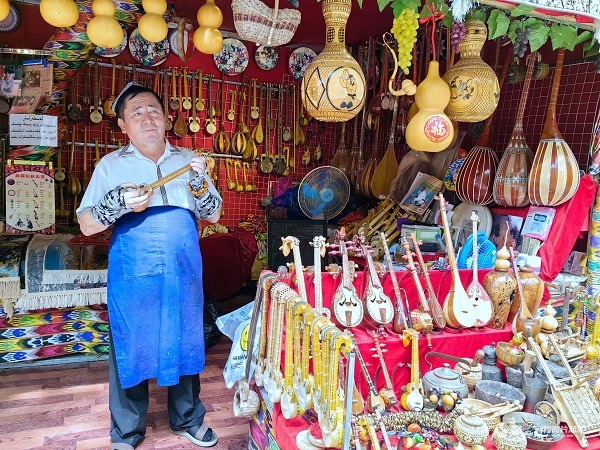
[
  {"x": 299, "y": 61},
  {"x": 266, "y": 57},
  {"x": 12, "y": 20},
  {"x": 148, "y": 53},
  {"x": 232, "y": 58},
  {"x": 113, "y": 51}
]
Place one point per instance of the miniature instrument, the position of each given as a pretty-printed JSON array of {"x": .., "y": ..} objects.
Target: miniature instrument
[
  {"x": 387, "y": 393},
  {"x": 379, "y": 307},
  {"x": 400, "y": 323},
  {"x": 211, "y": 122},
  {"x": 264, "y": 283},
  {"x": 165, "y": 99},
  {"x": 484, "y": 310},
  {"x": 108, "y": 104},
  {"x": 96, "y": 108},
  {"x": 194, "y": 120},
  {"x": 319, "y": 246},
  {"x": 458, "y": 308},
  {"x": 415, "y": 276},
  {"x": 374, "y": 400},
  {"x": 436, "y": 310},
  {"x": 289, "y": 402},
  {"x": 347, "y": 306},
  {"x": 187, "y": 100},
  {"x": 412, "y": 399}
]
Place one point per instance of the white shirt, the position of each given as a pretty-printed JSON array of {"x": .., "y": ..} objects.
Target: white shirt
[{"x": 128, "y": 165}]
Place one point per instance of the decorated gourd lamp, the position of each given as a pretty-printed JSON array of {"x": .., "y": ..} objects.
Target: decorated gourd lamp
[
  {"x": 473, "y": 83},
  {"x": 60, "y": 13},
  {"x": 104, "y": 30},
  {"x": 208, "y": 38},
  {"x": 4, "y": 9},
  {"x": 152, "y": 26},
  {"x": 333, "y": 87}
]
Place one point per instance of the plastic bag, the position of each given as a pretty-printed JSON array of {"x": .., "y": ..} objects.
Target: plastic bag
[{"x": 236, "y": 326}]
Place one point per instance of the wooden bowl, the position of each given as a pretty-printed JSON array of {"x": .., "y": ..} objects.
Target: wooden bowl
[
  {"x": 476, "y": 405},
  {"x": 508, "y": 354},
  {"x": 536, "y": 421}
]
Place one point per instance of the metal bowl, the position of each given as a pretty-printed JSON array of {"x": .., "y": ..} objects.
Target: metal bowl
[
  {"x": 536, "y": 421},
  {"x": 495, "y": 392}
]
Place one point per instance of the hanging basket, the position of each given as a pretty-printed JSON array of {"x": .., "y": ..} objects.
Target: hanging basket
[{"x": 256, "y": 22}]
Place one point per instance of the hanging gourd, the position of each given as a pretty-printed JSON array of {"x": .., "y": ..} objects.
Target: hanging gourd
[
  {"x": 103, "y": 29},
  {"x": 208, "y": 38},
  {"x": 4, "y": 9},
  {"x": 554, "y": 176},
  {"x": 510, "y": 186},
  {"x": 60, "y": 13},
  {"x": 473, "y": 83},
  {"x": 333, "y": 87},
  {"x": 152, "y": 26}
]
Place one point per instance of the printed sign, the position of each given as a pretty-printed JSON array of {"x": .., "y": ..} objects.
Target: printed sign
[{"x": 29, "y": 129}]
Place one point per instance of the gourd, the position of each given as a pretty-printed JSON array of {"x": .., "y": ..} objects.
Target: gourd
[
  {"x": 430, "y": 130},
  {"x": 207, "y": 37},
  {"x": 60, "y": 13},
  {"x": 152, "y": 26},
  {"x": 104, "y": 30}
]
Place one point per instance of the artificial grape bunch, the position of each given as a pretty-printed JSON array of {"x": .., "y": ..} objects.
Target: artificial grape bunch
[
  {"x": 404, "y": 30},
  {"x": 521, "y": 41},
  {"x": 458, "y": 34}
]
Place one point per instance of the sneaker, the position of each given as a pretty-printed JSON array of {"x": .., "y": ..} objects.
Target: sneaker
[{"x": 202, "y": 436}]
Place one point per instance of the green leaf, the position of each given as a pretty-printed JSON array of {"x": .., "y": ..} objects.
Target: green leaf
[
  {"x": 588, "y": 45},
  {"x": 498, "y": 24},
  {"x": 382, "y": 4},
  {"x": 479, "y": 14},
  {"x": 521, "y": 10},
  {"x": 563, "y": 36},
  {"x": 583, "y": 37},
  {"x": 592, "y": 49},
  {"x": 400, "y": 5},
  {"x": 360, "y": 2},
  {"x": 448, "y": 20},
  {"x": 539, "y": 34},
  {"x": 412, "y": 4}
]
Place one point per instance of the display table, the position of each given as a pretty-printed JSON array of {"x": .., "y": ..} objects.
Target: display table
[{"x": 460, "y": 343}]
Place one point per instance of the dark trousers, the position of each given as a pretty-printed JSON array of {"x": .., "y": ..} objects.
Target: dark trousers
[{"x": 128, "y": 407}]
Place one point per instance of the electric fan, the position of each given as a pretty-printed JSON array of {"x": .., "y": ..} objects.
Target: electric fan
[
  {"x": 323, "y": 193},
  {"x": 486, "y": 253}
]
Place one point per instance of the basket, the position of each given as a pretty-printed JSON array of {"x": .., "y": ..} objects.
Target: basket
[{"x": 256, "y": 22}]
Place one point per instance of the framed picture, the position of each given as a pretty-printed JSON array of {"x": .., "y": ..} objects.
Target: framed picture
[
  {"x": 421, "y": 194},
  {"x": 501, "y": 223}
]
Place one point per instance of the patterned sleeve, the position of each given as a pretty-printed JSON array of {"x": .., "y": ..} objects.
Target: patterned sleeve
[{"x": 206, "y": 196}]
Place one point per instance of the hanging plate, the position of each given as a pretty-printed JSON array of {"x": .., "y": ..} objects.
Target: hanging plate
[
  {"x": 148, "y": 53},
  {"x": 113, "y": 52},
  {"x": 12, "y": 20},
  {"x": 266, "y": 57},
  {"x": 463, "y": 212},
  {"x": 299, "y": 61},
  {"x": 232, "y": 58}
]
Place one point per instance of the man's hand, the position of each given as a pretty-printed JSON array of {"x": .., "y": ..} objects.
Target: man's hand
[
  {"x": 133, "y": 197},
  {"x": 198, "y": 164}
]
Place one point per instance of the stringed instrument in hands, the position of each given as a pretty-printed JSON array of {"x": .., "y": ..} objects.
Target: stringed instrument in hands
[
  {"x": 458, "y": 308},
  {"x": 484, "y": 309},
  {"x": 435, "y": 309},
  {"x": 347, "y": 306},
  {"x": 412, "y": 398},
  {"x": 108, "y": 104},
  {"x": 400, "y": 322},
  {"x": 387, "y": 393},
  {"x": 378, "y": 306}
]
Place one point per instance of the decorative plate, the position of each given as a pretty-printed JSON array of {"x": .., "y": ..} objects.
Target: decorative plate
[
  {"x": 148, "y": 53},
  {"x": 113, "y": 52},
  {"x": 12, "y": 20},
  {"x": 232, "y": 58},
  {"x": 266, "y": 57},
  {"x": 299, "y": 61}
]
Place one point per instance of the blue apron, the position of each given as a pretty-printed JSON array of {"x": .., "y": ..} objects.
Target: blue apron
[{"x": 155, "y": 297}]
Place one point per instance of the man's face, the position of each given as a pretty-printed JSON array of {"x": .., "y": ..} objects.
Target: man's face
[{"x": 143, "y": 121}]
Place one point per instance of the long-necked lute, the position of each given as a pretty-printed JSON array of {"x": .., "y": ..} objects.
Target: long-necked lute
[
  {"x": 484, "y": 309},
  {"x": 347, "y": 306},
  {"x": 400, "y": 322}
]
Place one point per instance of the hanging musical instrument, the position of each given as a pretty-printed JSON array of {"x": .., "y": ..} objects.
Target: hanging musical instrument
[
  {"x": 387, "y": 393},
  {"x": 174, "y": 101},
  {"x": 355, "y": 153},
  {"x": 251, "y": 150},
  {"x": 211, "y": 123},
  {"x": 412, "y": 398},
  {"x": 554, "y": 176},
  {"x": 254, "y": 112},
  {"x": 179, "y": 127},
  {"x": 194, "y": 120},
  {"x": 347, "y": 306},
  {"x": 74, "y": 184},
  {"x": 187, "y": 101},
  {"x": 257, "y": 132},
  {"x": 231, "y": 111},
  {"x": 436, "y": 310},
  {"x": 108, "y": 104},
  {"x": 86, "y": 73},
  {"x": 96, "y": 107},
  {"x": 484, "y": 309},
  {"x": 386, "y": 170},
  {"x": 200, "y": 100},
  {"x": 279, "y": 164},
  {"x": 318, "y": 152},
  {"x": 238, "y": 140},
  {"x": 458, "y": 308},
  {"x": 400, "y": 323},
  {"x": 221, "y": 142},
  {"x": 286, "y": 135},
  {"x": 165, "y": 99},
  {"x": 237, "y": 164},
  {"x": 512, "y": 175},
  {"x": 375, "y": 106},
  {"x": 378, "y": 306},
  {"x": 60, "y": 177},
  {"x": 340, "y": 158},
  {"x": 266, "y": 160}
]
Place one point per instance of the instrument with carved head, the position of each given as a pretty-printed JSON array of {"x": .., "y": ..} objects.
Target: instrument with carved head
[
  {"x": 387, "y": 393},
  {"x": 293, "y": 244},
  {"x": 484, "y": 309},
  {"x": 412, "y": 399},
  {"x": 400, "y": 322},
  {"x": 319, "y": 246},
  {"x": 347, "y": 305},
  {"x": 265, "y": 282}
]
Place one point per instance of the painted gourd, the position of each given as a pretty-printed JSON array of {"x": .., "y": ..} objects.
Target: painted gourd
[{"x": 430, "y": 130}]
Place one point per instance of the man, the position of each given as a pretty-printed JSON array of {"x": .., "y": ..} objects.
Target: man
[{"x": 155, "y": 297}]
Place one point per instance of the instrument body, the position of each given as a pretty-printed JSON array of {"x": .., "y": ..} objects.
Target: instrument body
[
  {"x": 347, "y": 305},
  {"x": 378, "y": 306},
  {"x": 484, "y": 309},
  {"x": 412, "y": 399},
  {"x": 387, "y": 393}
]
